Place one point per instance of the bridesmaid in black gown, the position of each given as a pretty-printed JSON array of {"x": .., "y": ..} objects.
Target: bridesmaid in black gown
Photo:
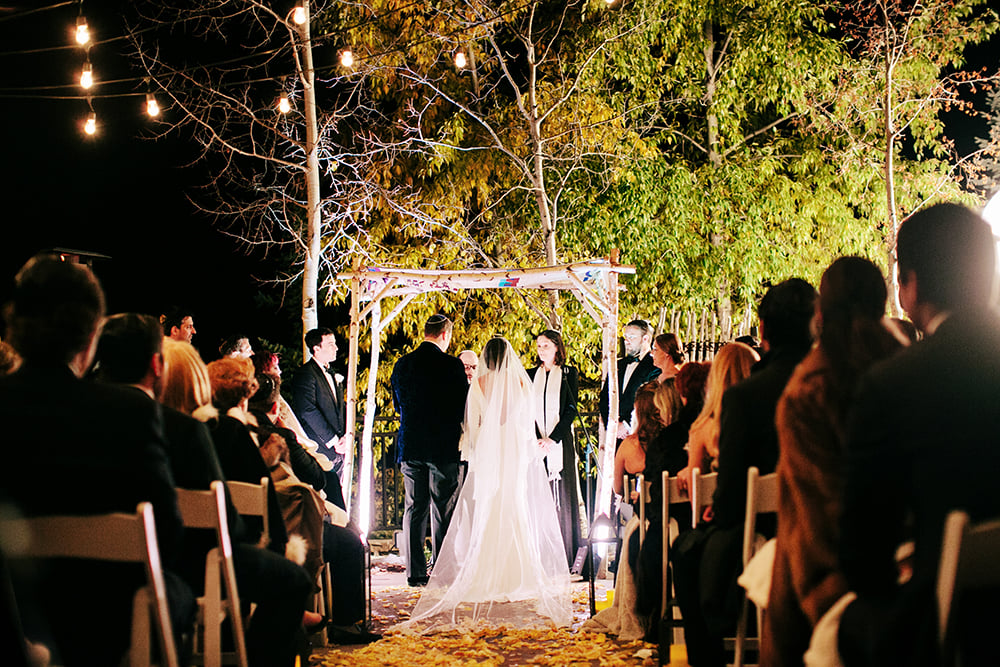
[{"x": 556, "y": 386}]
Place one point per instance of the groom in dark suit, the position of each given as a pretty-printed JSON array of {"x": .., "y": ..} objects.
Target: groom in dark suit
[
  {"x": 429, "y": 388},
  {"x": 318, "y": 400},
  {"x": 634, "y": 370},
  {"x": 922, "y": 440}
]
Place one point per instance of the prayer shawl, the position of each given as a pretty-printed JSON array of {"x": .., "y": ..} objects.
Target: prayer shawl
[{"x": 548, "y": 385}]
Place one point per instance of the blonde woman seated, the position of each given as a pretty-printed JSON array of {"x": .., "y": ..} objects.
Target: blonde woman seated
[{"x": 731, "y": 364}]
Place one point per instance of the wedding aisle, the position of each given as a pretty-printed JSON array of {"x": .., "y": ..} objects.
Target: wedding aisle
[{"x": 393, "y": 601}]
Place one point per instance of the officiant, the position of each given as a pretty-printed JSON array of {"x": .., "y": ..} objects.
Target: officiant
[{"x": 555, "y": 391}]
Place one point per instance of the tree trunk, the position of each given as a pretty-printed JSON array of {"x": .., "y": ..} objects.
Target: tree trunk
[
  {"x": 892, "y": 221},
  {"x": 538, "y": 183},
  {"x": 723, "y": 303},
  {"x": 314, "y": 222}
]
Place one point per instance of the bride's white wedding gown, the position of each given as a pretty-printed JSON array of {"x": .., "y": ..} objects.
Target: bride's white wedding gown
[{"x": 502, "y": 561}]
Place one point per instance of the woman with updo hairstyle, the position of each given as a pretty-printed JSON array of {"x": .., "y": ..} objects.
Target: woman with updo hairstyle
[
  {"x": 732, "y": 364},
  {"x": 555, "y": 387},
  {"x": 668, "y": 354},
  {"x": 811, "y": 418}
]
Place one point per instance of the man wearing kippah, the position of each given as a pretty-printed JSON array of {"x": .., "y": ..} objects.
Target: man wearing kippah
[{"x": 429, "y": 388}]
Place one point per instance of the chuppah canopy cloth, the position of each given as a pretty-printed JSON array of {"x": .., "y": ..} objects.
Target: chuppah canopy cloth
[{"x": 594, "y": 283}]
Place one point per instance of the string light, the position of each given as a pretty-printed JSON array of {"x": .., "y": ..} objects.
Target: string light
[
  {"x": 347, "y": 58},
  {"x": 299, "y": 14},
  {"x": 152, "y": 106},
  {"x": 90, "y": 126},
  {"x": 87, "y": 75},
  {"x": 284, "y": 106},
  {"x": 460, "y": 61},
  {"x": 82, "y": 31}
]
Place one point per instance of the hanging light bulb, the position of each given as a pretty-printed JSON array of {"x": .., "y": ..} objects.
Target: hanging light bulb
[
  {"x": 90, "y": 126},
  {"x": 82, "y": 31},
  {"x": 284, "y": 106},
  {"x": 87, "y": 76},
  {"x": 299, "y": 14},
  {"x": 152, "y": 106},
  {"x": 347, "y": 58},
  {"x": 460, "y": 61}
]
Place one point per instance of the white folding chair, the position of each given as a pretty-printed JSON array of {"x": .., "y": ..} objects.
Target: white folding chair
[
  {"x": 702, "y": 490},
  {"x": 762, "y": 498},
  {"x": 251, "y": 500},
  {"x": 126, "y": 538},
  {"x": 207, "y": 509},
  {"x": 672, "y": 495},
  {"x": 969, "y": 557}
]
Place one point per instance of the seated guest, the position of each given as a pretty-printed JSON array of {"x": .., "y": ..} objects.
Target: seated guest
[
  {"x": 74, "y": 447},
  {"x": 707, "y": 560},
  {"x": 666, "y": 453},
  {"x": 236, "y": 347},
  {"x": 811, "y": 421},
  {"x": 921, "y": 441},
  {"x": 668, "y": 355},
  {"x": 731, "y": 365},
  {"x": 130, "y": 353},
  {"x": 631, "y": 456},
  {"x": 330, "y": 539}
]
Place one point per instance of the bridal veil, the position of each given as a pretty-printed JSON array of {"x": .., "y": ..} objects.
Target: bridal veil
[{"x": 502, "y": 561}]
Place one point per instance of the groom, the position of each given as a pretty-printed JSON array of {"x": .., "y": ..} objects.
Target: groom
[{"x": 429, "y": 388}]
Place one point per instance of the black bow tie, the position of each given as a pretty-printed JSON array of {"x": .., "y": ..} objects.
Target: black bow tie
[{"x": 631, "y": 359}]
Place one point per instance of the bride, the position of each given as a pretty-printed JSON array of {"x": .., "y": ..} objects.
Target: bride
[{"x": 502, "y": 561}]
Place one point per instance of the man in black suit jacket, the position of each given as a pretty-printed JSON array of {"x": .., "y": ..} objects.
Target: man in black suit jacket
[
  {"x": 73, "y": 447},
  {"x": 634, "y": 370},
  {"x": 318, "y": 401},
  {"x": 130, "y": 354},
  {"x": 429, "y": 389},
  {"x": 707, "y": 561},
  {"x": 922, "y": 441}
]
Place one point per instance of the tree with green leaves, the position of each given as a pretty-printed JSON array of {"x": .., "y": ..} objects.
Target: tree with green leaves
[{"x": 907, "y": 67}]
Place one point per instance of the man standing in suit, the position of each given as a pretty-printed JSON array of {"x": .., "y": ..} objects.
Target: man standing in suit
[
  {"x": 429, "y": 389},
  {"x": 74, "y": 447},
  {"x": 318, "y": 400},
  {"x": 922, "y": 441},
  {"x": 634, "y": 370}
]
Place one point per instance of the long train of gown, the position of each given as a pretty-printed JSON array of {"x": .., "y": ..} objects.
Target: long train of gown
[{"x": 502, "y": 561}]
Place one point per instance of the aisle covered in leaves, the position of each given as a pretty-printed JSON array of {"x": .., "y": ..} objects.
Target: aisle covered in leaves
[{"x": 393, "y": 601}]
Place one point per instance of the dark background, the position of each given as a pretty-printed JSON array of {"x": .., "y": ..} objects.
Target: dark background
[{"x": 122, "y": 196}]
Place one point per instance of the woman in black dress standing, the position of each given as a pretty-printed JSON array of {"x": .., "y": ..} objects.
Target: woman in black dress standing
[{"x": 555, "y": 392}]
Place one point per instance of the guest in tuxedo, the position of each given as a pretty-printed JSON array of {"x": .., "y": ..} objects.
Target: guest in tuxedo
[
  {"x": 667, "y": 352},
  {"x": 555, "y": 388},
  {"x": 429, "y": 388},
  {"x": 707, "y": 560},
  {"x": 73, "y": 447},
  {"x": 635, "y": 369},
  {"x": 922, "y": 441},
  {"x": 318, "y": 400},
  {"x": 811, "y": 420},
  {"x": 130, "y": 354}
]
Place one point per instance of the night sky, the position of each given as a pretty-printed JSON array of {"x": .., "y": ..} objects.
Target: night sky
[{"x": 123, "y": 196}]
